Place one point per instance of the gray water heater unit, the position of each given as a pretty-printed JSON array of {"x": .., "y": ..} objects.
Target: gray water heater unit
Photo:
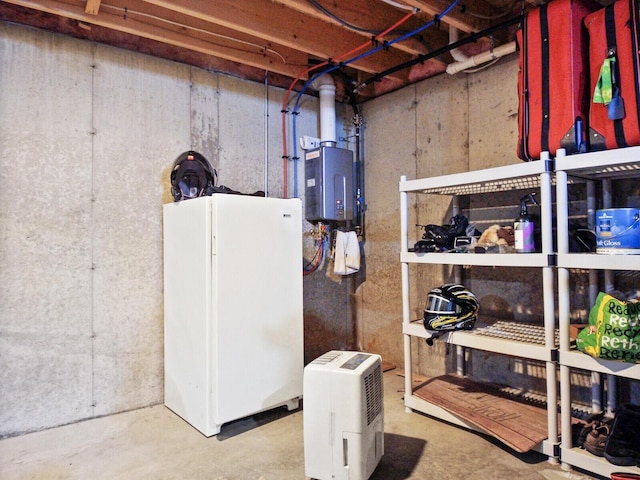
[{"x": 329, "y": 184}]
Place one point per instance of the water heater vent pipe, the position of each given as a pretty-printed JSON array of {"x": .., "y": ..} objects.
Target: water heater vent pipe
[{"x": 327, "y": 91}]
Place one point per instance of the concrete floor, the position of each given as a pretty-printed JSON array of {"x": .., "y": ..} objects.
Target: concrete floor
[{"x": 154, "y": 443}]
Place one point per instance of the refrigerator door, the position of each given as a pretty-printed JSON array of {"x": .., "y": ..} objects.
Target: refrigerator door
[
  {"x": 233, "y": 307},
  {"x": 257, "y": 303},
  {"x": 187, "y": 310}
]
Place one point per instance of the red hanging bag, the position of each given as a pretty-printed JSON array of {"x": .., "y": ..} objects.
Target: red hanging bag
[
  {"x": 614, "y": 121},
  {"x": 552, "y": 80}
]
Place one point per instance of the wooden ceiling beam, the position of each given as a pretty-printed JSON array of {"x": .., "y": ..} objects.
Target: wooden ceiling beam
[
  {"x": 293, "y": 29},
  {"x": 259, "y": 59},
  {"x": 359, "y": 13},
  {"x": 468, "y": 17},
  {"x": 93, "y": 6},
  {"x": 284, "y": 37}
]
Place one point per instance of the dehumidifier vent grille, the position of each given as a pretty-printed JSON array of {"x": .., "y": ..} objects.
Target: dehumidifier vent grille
[
  {"x": 327, "y": 358},
  {"x": 373, "y": 391}
]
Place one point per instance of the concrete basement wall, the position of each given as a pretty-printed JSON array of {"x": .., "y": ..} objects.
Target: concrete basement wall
[
  {"x": 447, "y": 124},
  {"x": 89, "y": 134}
]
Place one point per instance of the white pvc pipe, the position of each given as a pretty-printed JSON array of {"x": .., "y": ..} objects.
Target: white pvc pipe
[
  {"x": 481, "y": 58},
  {"x": 456, "y": 53},
  {"x": 327, "y": 91}
]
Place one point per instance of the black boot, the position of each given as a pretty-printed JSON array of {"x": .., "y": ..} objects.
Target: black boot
[{"x": 623, "y": 445}]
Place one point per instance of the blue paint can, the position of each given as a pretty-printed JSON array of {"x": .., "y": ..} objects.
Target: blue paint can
[{"x": 618, "y": 231}]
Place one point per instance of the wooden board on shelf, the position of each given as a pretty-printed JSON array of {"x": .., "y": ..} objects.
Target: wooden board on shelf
[{"x": 519, "y": 425}]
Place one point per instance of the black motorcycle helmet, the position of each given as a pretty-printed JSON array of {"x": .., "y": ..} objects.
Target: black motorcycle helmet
[
  {"x": 450, "y": 307},
  {"x": 191, "y": 176}
]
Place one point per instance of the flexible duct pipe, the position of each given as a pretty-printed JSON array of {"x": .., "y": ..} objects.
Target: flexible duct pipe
[
  {"x": 327, "y": 91},
  {"x": 481, "y": 58}
]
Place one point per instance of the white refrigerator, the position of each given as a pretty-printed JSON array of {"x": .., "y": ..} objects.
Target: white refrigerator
[{"x": 233, "y": 325}]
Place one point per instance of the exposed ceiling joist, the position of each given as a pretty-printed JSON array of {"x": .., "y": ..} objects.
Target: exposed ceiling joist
[
  {"x": 294, "y": 29},
  {"x": 369, "y": 22},
  {"x": 281, "y": 60},
  {"x": 93, "y": 6},
  {"x": 467, "y": 16},
  {"x": 282, "y": 39}
]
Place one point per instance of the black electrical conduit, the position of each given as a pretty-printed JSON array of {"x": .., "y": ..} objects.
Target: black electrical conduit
[
  {"x": 422, "y": 58},
  {"x": 359, "y": 206}
]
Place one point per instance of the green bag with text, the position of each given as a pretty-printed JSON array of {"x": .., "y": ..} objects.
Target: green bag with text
[{"x": 613, "y": 331}]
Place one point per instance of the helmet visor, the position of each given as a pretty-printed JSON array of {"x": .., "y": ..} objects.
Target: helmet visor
[
  {"x": 439, "y": 304},
  {"x": 190, "y": 184}
]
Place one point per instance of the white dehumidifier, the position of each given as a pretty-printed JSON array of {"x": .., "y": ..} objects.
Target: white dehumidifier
[{"x": 343, "y": 416}]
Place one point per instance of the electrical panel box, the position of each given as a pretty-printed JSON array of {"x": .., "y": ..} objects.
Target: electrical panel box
[{"x": 329, "y": 184}]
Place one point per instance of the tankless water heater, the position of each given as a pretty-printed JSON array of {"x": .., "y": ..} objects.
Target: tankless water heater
[{"x": 329, "y": 184}]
